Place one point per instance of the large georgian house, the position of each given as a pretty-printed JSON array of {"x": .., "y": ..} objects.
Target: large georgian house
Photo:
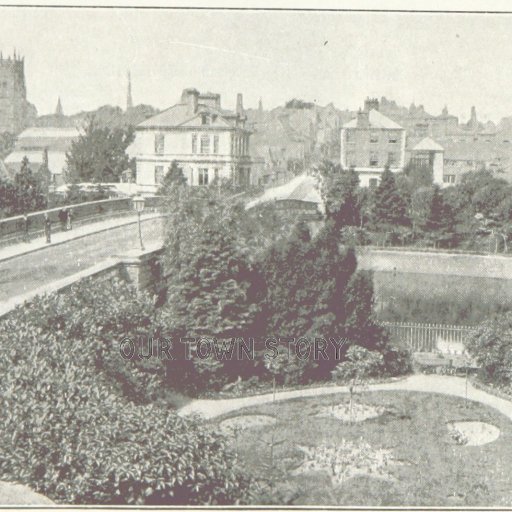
[
  {"x": 206, "y": 141},
  {"x": 370, "y": 142}
]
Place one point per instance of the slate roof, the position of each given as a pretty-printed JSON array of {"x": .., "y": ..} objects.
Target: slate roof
[
  {"x": 377, "y": 120},
  {"x": 179, "y": 115},
  {"x": 54, "y": 139},
  {"x": 301, "y": 188},
  {"x": 427, "y": 144}
]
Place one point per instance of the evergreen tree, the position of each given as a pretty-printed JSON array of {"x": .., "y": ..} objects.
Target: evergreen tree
[
  {"x": 28, "y": 193},
  {"x": 340, "y": 194},
  {"x": 432, "y": 215},
  {"x": 173, "y": 180},
  {"x": 389, "y": 208},
  {"x": 211, "y": 278}
]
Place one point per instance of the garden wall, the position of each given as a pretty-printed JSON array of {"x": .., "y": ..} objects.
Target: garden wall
[{"x": 472, "y": 265}]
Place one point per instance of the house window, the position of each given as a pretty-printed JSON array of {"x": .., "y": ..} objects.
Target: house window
[
  {"x": 204, "y": 119},
  {"x": 159, "y": 143},
  {"x": 393, "y": 139},
  {"x": 449, "y": 178},
  {"x": 202, "y": 178},
  {"x": 374, "y": 137},
  {"x": 194, "y": 143},
  {"x": 216, "y": 174},
  {"x": 374, "y": 159},
  {"x": 373, "y": 182},
  {"x": 392, "y": 159},
  {"x": 215, "y": 144},
  {"x": 205, "y": 144},
  {"x": 159, "y": 174},
  {"x": 350, "y": 136}
]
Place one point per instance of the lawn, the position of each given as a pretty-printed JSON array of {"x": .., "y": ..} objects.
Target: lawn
[{"x": 404, "y": 457}]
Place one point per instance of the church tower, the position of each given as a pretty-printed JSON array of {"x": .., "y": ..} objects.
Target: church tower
[
  {"x": 13, "y": 94},
  {"x": 129, "y": 100}
]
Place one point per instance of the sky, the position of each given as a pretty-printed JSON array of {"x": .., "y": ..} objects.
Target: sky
[{"x": 83, "y": 55}]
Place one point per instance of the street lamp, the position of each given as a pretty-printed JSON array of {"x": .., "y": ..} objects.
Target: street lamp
[{"x": 138, "y": 204}]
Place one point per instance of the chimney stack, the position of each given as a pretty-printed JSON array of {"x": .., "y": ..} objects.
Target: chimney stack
[
  {"x": 190, "y": 97},
  {"x": 240, "y": 105},
  {"x": 363, "y": 119},
  {"x": 371, "y": 104}
]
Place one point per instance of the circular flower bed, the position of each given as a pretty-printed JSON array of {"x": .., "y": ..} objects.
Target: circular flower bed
[
  {"x": 473, "y": 433},
  {"x": 246, "y": 421}
]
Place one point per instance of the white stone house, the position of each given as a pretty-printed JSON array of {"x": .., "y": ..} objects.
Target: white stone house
[{"x": 206, "y": 141}]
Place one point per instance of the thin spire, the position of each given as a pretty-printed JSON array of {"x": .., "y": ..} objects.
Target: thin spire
[
  {"x": 59, "y": 111},
  {"x": 129, "y": 100}
]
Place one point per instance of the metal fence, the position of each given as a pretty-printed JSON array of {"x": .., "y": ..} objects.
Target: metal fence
[{"x": 430, "y": 337}]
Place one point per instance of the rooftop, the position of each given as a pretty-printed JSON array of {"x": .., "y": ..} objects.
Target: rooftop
[
  {"x": 184, "y": 115},
  {"x": 377, "y": 120},
  {"x": 427, "y": 144}
]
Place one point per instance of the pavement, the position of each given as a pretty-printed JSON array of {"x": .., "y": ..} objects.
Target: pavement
[
  {"x": 60, "y": 237},
  {"x": 446, "y": 385},
  {"x": 30, "y": 267}
]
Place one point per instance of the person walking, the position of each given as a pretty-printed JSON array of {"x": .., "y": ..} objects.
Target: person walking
[
  {"x": 69, "y": 214},
  {"x": 63, "y": 219},
  {"x": 48, "y": 228},
  {"x": 26, "y": 237}
]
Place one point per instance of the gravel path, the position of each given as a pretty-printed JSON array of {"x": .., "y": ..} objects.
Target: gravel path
[{"x": 446, "y": 385}]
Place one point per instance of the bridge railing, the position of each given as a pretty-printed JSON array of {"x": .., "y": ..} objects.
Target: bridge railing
[{"x": 13, "y": 230}]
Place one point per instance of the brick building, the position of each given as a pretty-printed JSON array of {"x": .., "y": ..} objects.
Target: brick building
[{"x": 370, "y": 142}]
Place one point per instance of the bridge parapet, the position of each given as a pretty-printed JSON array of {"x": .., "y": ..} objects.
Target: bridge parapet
[{"x": 12, "y": 229}]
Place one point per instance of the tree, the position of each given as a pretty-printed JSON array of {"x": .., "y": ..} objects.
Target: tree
[
  {"x": 389, "y": 208},
  {"x": 211, "y": 276},
  {"x": 431, "y": 215},
  {"x": 174, "y": 180},
  {"x": 360, "y": 365},
  {"x": 340, "y": 195},
  {"x": 99, "y": 154},
  {"x": 7, "y": 142},
  {"x": 491, "y": 348},
  {"x": 7, "y": 198},
  {"x": 29, "y": 195}
]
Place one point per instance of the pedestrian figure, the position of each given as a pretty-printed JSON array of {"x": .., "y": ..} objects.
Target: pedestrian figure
[
  {"x": 63, "y": 219},
  {"x": 48, "y": 228},
  {"x": 68, "y": 212},
  {"x": 26, "y": 237}
]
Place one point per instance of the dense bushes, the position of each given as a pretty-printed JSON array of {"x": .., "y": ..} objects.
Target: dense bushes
[
  {"x": 69, "y": 434},
  {"x": 491, "y": 347}
]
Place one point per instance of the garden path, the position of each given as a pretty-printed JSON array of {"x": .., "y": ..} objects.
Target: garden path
[{"x": 443, "y": 384}]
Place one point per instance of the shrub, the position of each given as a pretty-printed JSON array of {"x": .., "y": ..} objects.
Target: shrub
[
  {"x": 491, "y": 347},
  {"x": 69, "y": 434},
  {"x": 97, "y": 317}
]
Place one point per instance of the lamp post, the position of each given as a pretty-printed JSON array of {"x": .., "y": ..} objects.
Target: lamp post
[{"x": 138, "y": 204}]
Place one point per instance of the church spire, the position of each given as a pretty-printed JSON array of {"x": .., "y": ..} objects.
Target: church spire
[
  {"x": 59, "y": 111},
  {"x": 129, "y": 101}
]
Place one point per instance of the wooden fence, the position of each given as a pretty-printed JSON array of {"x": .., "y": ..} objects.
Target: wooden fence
[{"x": 430, "y": 337}]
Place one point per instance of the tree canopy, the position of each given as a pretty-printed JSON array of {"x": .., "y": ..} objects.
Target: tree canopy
[{"x": 99, "y": 154}]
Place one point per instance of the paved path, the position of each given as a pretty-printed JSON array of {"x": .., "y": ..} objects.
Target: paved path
[
  {"x": 447, "y": 385},
  {"x": 38, "y": 264}
]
